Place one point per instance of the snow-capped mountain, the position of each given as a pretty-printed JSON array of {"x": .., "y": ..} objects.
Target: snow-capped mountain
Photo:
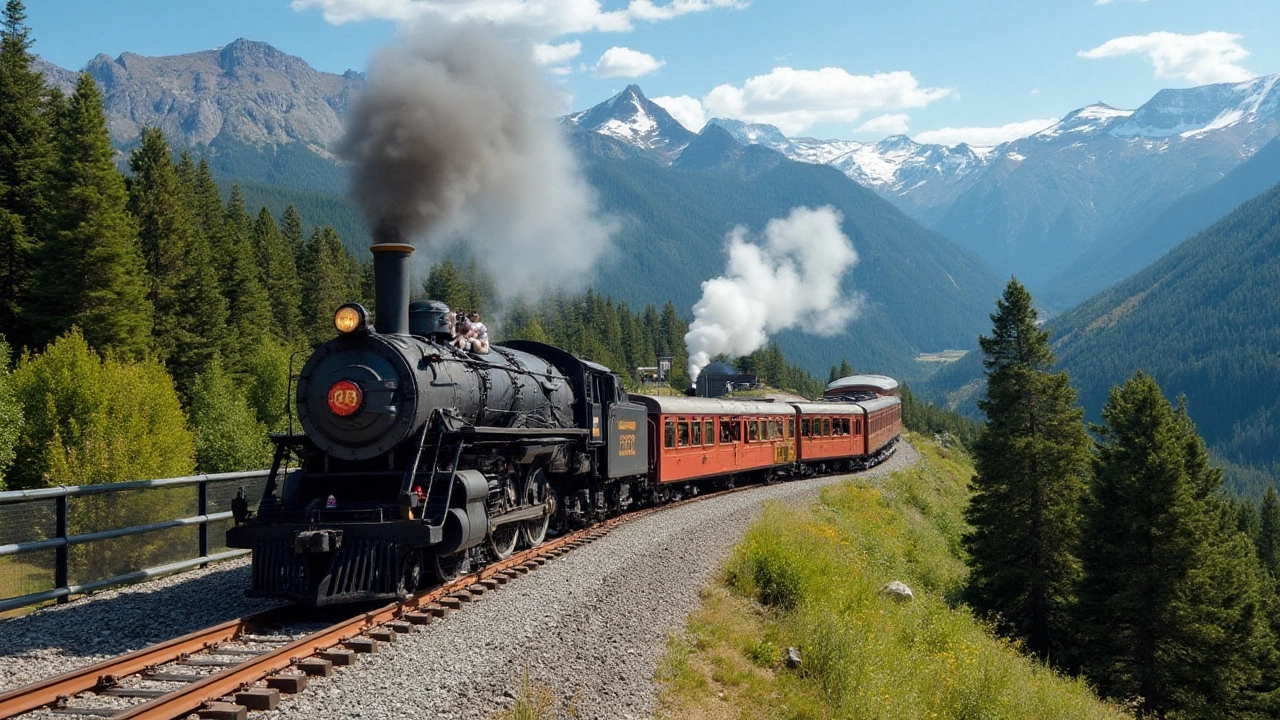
[
  {"x": 1037, "y": 205},
  {"x": 636, "y": 120}
]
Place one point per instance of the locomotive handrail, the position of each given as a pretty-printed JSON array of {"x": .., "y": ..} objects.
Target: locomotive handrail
[{"x": 61, "y": 539}]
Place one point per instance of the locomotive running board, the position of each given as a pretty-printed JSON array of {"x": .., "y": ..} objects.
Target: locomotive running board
[{"x": 539, "y": 433}]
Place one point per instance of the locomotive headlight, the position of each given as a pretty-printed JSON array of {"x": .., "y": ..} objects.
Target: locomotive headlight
[{"x": 350, "y": 318}]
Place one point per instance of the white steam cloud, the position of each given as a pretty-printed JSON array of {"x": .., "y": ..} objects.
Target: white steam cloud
[
  {"x": 450, "y": 142},
  {"x": 791, "y": 280}
]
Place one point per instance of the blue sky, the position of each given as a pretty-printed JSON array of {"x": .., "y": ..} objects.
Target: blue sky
[{"x": 979, "y": 71}]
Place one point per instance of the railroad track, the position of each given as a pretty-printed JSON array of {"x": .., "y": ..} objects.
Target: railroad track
[{"x": 224, "y": 671}]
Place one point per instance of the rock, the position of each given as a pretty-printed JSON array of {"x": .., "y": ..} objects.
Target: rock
[
  {"x": 793, "y": 657},
  {"x": 897, "y": 591}
]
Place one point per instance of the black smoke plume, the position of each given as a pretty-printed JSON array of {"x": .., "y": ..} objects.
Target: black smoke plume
[{"x": 452, "y": 141}]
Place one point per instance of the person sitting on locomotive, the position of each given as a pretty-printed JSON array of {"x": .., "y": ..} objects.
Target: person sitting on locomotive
[
  {"x": 461, "y": 332},
  {"x": 479, "y": 334}
]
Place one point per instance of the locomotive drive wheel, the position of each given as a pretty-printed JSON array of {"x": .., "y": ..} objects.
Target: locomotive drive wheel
[
  {"x": 447, "y": 568},
  {"x": 536, "y": 492},
  {"x": 502, "y": 540},
  {"x": 410, "y": 573}
]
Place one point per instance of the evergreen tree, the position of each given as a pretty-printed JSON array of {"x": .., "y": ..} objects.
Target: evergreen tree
[
  {"x": 91, "y": 272},
  {"x": 292, "y": 232},
  {"x": 25, "y": 156},
  {"x": 1169, "y": 604},
  {"x": 190, "y": 312},
  {"x": 279, "y": 275},
  {"x": 327, "y": 277},
  {"x": 1031, "y": 460},
  {"x": 251, "y": 318},
  {"x": 1269, "y": 532}
]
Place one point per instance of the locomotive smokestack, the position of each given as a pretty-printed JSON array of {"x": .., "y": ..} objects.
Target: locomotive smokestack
[{"x": 391, "y": 287}]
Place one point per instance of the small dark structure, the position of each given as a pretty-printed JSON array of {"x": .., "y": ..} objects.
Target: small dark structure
[{"x": 719, "y": 379}]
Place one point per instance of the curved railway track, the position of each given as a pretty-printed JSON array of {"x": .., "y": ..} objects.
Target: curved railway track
[
  {"x": 224, "y": 683},
  {"x": 214, "y": 670}
]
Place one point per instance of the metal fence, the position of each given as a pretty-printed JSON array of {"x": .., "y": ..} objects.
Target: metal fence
[{"x": 63, "y": 541}]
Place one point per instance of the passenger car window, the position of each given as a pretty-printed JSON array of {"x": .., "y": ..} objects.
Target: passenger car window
[
  {"x": 696, "y": 433},
  {"x": 708, "y": 433},
  {"x": 682, "y": 433},
  {"x": 669, "y": 434}
]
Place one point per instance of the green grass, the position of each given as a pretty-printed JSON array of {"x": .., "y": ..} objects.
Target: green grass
[
  {"x": 809, "y": 579},
  {"x": 18, "y": 577}
]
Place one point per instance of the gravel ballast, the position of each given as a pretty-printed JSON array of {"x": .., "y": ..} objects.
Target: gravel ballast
[{"x": 589, "y": 627}]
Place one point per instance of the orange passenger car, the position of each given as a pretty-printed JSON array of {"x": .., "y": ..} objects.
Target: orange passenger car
[
  {"x": 693, "y": 438},
  {"x": 831, "y": 433}
]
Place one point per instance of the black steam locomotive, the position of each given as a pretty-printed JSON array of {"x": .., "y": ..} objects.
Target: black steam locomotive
[{"x": 418, "y": 458}]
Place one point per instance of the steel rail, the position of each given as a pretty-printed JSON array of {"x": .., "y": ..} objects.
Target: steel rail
[
  {"x": 47, "y": 692},
  {"x": 195, "y": 696}
]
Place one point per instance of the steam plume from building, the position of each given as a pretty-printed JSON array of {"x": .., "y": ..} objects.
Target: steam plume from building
[
  {"x": 791, "y": 280},
  {"x": 451, "y": 142}
]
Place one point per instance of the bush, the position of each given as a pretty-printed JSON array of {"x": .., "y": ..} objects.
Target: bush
[
  {"x": 92, "y": 420},
  {"x": 229, "y": 437},
  {"x": 10, "y": 414}
]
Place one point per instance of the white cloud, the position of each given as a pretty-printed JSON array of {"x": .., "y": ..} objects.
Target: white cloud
[
  {"x": 556, "y": 54},
  {"x": 896, "y": 124},
  {"x": 551, "y": 17},
  {"x": 625, "y": 62},
  {"x": 686, "y": 110},
  {"x": 1210, "y": 57},
  {"x": 794, "y": 99},
  {"x": 984, "y": 136}
]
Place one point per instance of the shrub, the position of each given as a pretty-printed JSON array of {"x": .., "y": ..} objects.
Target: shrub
[{"x": 229, "y": 437}]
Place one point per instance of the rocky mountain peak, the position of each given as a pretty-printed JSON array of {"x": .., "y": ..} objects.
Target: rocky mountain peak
[{"x": 633, "y": 118}]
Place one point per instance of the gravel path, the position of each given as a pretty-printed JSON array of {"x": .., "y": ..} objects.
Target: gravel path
[{"x": 589, "y": 627}]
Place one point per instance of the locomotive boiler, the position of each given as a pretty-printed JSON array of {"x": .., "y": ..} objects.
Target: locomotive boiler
[{"x": 418, "y": 458}]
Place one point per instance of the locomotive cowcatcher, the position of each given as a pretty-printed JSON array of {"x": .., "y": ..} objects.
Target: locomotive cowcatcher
[{"x": 418, "y": 458}]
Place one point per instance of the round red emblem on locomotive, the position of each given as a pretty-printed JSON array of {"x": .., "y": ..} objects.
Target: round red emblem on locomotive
[{"x": 345, "y": 398}]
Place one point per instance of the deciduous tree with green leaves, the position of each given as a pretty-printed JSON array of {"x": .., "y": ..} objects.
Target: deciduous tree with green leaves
[
  {"x": 1032, "y": 462},
  {"x": 1170, "y": 610}
]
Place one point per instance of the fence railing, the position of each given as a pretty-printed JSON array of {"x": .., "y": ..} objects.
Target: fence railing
[{"x": 63, "y": 541}]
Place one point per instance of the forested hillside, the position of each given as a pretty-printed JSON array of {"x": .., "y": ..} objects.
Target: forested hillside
[
  {"x": 149, "y": 320},
  {"x": 1204, "y": 321},
  {"x": 922, "y": 292}
]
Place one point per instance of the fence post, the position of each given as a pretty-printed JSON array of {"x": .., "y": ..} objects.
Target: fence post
[
  {"x": 60, "y": 555},
  {"x": 203, "y": 511}
]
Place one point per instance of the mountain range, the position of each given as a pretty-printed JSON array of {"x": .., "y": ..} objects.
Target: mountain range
[{"x": 1069, "y": 210}]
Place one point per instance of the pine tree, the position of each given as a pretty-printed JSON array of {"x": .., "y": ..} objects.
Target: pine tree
[
  {"x": 91, "y": 272},
  {"x": 1269, "y": 532},
  {"x": 26, "y": 152},
  {"x": 1169, "y": 605},
  {"x": 1032, "y": 460},
  {"x": 190, "y": 312},
  {"x": 327, "y": 277},
  {"x": 292, "y": 232},
  {"x": 247, "y": 302},
  {"x": 279, "y": 275}
]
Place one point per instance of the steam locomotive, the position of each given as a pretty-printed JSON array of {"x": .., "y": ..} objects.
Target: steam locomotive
[{"x": 418, "y": 459}]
